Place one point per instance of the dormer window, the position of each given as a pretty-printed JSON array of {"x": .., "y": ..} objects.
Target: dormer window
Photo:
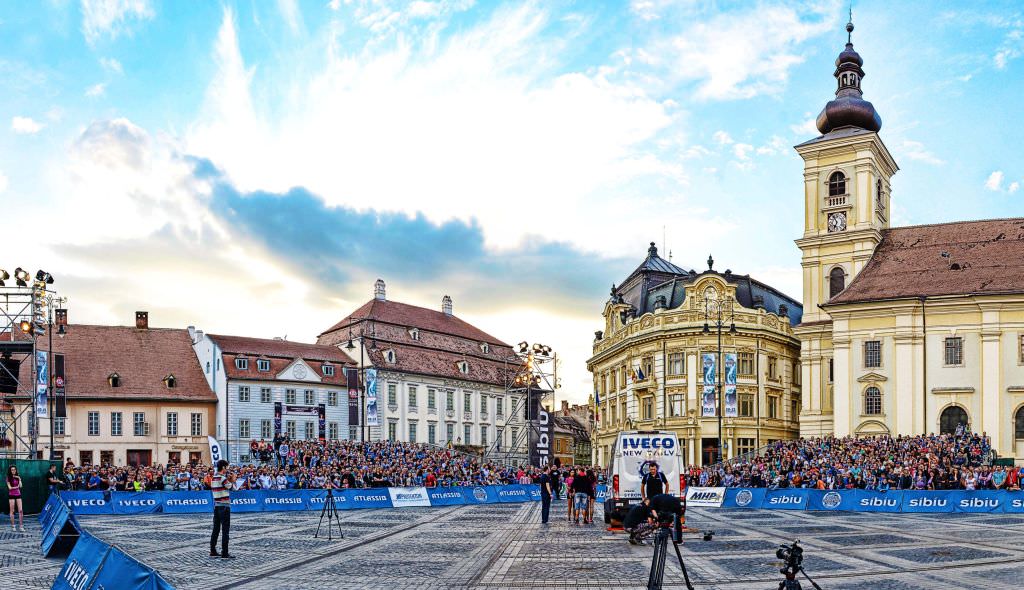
[
  {"x": 263, "y": 365},
  {"x": 242, "y": 364},
  {"x": 837, "y": 184},
  {"x": 389, "y": 356},
  {"x": 414, "y": 334},
  {"x": 485, "y": 348},
  {"x": 328, "y": 370},
  {"x": 170, "y": 381},
  {"x": 114, "y": 380},
  {"x": 463, "y": 367}
]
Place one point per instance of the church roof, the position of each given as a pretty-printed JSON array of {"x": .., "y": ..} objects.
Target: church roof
[{"x": 959, "y": 258}]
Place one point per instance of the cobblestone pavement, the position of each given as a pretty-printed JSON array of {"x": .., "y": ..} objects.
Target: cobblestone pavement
[{"x": 504, "y": 545}]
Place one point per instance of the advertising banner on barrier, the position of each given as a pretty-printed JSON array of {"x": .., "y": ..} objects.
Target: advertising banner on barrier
[
  {"x": 1013, "y": 502},
  {"x": 123, "y": 572},
  {"x": 87, "y": 502},
  {"x": 445, "y": 496},
  {"x": 402, "y": 497},
  {"x": 46, "y": 514},
  {"x": 283, "y": 500},
  {"x": 136, "y": 502},
  {"x": 514, "y": 493},
  {"x": 371, "y": 498},
  {"x": 743, "y": 497},
  {"x": 480, "y": 495},
  {"x": 831, "y": 500},
  {"x": 979, "y": 501},
  {"x": 246, "y": 501},
  {"x": 315, "y": 499},
  {"x": 187, "y": 502},
  {"x": 705, "y": 497},
  {"x": 785, "y": 499},
  {"x": 922, "y": 501},
  {"x": 602, "y": 493},
  {"x": 60, "y": 533},
  {"x": 871, "y": 501},
  {"x": 82, "y": 565}
]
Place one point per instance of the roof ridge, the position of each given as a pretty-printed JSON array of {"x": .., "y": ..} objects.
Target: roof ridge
[{"x": 961, "y": 222}]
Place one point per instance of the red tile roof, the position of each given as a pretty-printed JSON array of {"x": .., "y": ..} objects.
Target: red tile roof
[
  {"x": 442, "y": 363},
  {"x": 405, "y": 315},
  {"x": 280, "y": 353},
  {"x": 985, "y": 257},
  {"x": 141, "y": 358}
]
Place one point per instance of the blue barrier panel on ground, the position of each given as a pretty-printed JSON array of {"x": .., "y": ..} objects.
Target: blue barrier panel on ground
[
  {"x": 872, "y": 501},
  {"x": 370, "y": 498},
  {"x": 1014, "y": 502},
  {"x": 245, "y": 501},
  {"x": 445, "y": 496},
  {"x": 46, "y": 514},
  {"x": 480, "y": 495},
  {"x": 137, "y": 502},
  {"x": 831, "y": 499},
  {"x": 81, "y": 567},
  {"x": 186, "y": 502},
  {"x": 60, "y": 515},
  {"x": 979, "y": 501},
  {"x": 120, "y": 570},
  {"x": 602, "y": 493},
  {"x": 743, "y": 497},
  {"x": 786, "y": 499},
  {"x": 282, "y": 500},
  {"x": 514, "y": 493},
  {"x": 87, "y": 502},
  {"x": 924, "y": 501}
]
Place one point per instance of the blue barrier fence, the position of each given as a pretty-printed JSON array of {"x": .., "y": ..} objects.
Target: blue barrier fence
[
  {"x": 873, "y": 501},
  {"x": 94, "y": 565},
  {"x": 284, "y": 500}
]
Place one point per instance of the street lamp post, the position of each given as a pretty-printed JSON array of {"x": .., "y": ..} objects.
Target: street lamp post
[{"x": 717, "y": 310}]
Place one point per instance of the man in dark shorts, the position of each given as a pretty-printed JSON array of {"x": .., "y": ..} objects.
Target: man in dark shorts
[{"x": 644, "y": 516}]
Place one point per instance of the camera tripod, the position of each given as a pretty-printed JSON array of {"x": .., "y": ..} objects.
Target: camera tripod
[
  {"x": 791, "y": 583},
  {"x": 330, "y": 512},
  {"x": 661, "y": 540}
]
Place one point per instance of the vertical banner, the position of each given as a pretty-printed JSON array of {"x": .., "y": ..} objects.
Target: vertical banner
[
  {"x": 541, "y": 430},
  {"x": 215, "y": 451},
  {"x": 708, "y": 399},
  {"x": 372, "y": 418},
  {"x": 322, "y": 419},
  {"x": 59, "y": 391},
  {"x": 42, "y": 384},
  {"x": 277, "y": 419},
  {"x": 730, "y": 386},
  {"x": 352, "y": 378}
]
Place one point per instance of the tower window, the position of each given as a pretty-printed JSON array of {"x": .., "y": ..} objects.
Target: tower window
[
  {"x": 836, "y": 184},
  {"x": 836, "y": 282}
]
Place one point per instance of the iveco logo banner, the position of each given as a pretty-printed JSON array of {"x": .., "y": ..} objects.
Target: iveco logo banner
[
  {"x": 136, "y": 502},
  {"x": 75, "y": 575}
]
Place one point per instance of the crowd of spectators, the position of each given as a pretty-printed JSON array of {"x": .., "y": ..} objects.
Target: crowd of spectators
[
  {"x": 934, "y": 462},
  {"x": 285, "y": 464}
]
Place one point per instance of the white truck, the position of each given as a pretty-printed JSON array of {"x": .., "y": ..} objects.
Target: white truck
[{"x": 632, "y": 455}]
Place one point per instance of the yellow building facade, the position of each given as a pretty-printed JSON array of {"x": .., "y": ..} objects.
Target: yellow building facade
[
  {"x": 647, "y": 370},
  {"x": 907, "y": 330}
]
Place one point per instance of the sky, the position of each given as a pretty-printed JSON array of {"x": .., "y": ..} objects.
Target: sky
[{"x": 251, "y": 167}]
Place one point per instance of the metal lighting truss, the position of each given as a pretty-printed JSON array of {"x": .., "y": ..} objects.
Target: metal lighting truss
[
  {"x": 20, "y": 308},
  {"x": 535, "y": 371}
]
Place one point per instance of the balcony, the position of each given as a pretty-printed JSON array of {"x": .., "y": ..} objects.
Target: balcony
[{"x": 837, "y": 202}]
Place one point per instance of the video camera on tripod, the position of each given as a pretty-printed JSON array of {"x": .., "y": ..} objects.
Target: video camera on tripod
[{"x": 792, "y": 557}]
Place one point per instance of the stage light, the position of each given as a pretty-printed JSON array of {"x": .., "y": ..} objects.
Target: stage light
[
  {"x": 44, "y": 277},
  {"x": 3, "y": 276},
  {"x": 26, "y": 326},
  {"x": 21, "y": 276},
  {"x": 524, "y": 347}
]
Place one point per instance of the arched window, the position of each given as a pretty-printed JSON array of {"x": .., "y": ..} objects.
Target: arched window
[
  {"x": 836, "y": 282},
  {"x": 836, "y": 184},
  {"x": 952, "y": 417},
  {"x": 878, "y": 191},
  {"x": 872, "y": 401},
  {"x": 1019, "y": 424}
]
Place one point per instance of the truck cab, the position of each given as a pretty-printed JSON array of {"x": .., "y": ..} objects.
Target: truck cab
[{"x": 632, "y": 455}]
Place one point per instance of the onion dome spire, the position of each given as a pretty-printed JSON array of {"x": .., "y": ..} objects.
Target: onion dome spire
[{"x": 849, "y": 109}]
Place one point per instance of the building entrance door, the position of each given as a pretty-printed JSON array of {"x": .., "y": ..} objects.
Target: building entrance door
[
  {"x": 174, "y": 457},
  {"x": 709, "y": 450},
  {"x": 951, "y": 418},
  {"x": 140, "y": 457},
  {"x": 195, "y": 457}
]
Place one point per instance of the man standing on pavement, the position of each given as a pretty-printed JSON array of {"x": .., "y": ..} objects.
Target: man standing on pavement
[
  {"x": 220, "y": 486},
  {"x": 653, "y": 483},
  {"x": 545, "y": 494}
]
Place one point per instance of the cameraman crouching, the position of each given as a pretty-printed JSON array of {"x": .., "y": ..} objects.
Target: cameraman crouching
[{"x": 649, "y": 514}]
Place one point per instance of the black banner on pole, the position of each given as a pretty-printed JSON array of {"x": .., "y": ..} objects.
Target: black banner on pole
[
  {"x": 323, "y": 422},
  {"x": 541, "y": 429},
  {"x": 59, "y": 387},
  {"x": 353, "y": 398},
  {"x": 277, "y": 419}
]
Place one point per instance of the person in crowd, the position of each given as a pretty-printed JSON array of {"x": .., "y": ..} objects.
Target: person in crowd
[
  {"x": 545, "y": 494},
  {"x": 578, "y": 491},
  {"x": 53, "y": 480},
  {"x": 14, "y": 498}
]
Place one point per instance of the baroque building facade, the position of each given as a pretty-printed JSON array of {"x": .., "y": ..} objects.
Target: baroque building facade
[
  {"x": 647, "y": 364},
  {"x": 908, "y": 330}
]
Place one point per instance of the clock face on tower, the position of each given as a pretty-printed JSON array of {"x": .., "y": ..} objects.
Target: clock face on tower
[{"x": 837, "y": 221}]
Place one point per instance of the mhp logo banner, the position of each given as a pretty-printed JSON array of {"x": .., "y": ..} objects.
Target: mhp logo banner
[
  {"x": 136, "y": 502},
  {"x": 786, "y": 499},
  {"x": 744, "y": 497},
  {"x": 979, "y": 501},
  {"x": 283, "y": 500},
  {"x": 872, "y": 501},
  {"x": 82, "y": 566},
  {"x": 705, "y": 497},
  {"x": 924, "y": 501},
  {"x": 831, "y": 500},
  {"x": 187, "y": 502},
  {"x": 87, "y": 502},
  {"x": 369, "y": 498}
]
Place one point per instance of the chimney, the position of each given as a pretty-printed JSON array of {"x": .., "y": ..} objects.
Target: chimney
[
  {"x": 565, "y": 407},
  {"x": 446, "y": 305},
  {"x": 142, "y": 320},
  {"x": 378, "y": 290},
  {"x": 62, "y": 317}
]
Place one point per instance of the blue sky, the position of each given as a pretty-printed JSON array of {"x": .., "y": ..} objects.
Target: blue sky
[{"x": 253, "y": 166}]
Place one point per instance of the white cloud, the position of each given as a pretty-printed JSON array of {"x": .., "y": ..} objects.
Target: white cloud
[
  {"x": 915, "y": 150},
  {"x": 722, "y": 137},
  {"x": 808, "y": 128},
  {"x": 1013, "y": 187},
  {"x": 334, "y": 5},
  {"x": 96, "y": 90},
  {"x": 742, "y": 150},
  {"x": 112, "y": 17},
  {"x": 995, "y": 181},
  {"x": 774, "y": 146},
  {"x": 111, "y": 65},
  {"x": 25, "y": 125},
  {"x": 3, "y": 182},
  {"x": 289, "y": 10},
  {"x": 1011, "y": 48}
]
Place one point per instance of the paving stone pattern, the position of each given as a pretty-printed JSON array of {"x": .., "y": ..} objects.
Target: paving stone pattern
[{"x": 506, "y": 546}]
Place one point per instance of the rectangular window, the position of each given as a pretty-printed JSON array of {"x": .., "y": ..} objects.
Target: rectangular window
[
  {"x": 139, "y": 421},
  {"x": 1020, "y": 346},
  {"x": 449, "y": 432},
  {"x": 499, "y": 404},
  {"x": 197, "y": 424},
  {"x": 467, "y": 402},
  {"x": 515, "y": 437},
  {"x": 676, "y": 363},
  {"x": 310, "y": 432},
  {"x": 955, "y": 351},
  {"x": 483, "y": 436},
  {"x": 289, "y": 429},
  {"x": 431, "y": 399},
  {"x": 745, "y": 364},
  {"x": 243, "y": 393},
  {"x": 332, "y": 430},
  {"x": 773, "y": 368},
  {"x": 265, "y": 395},
  {"x": 244, "y": 430},
  {"x": 796, "y": 373},
  {"x": 647, "y": 364},
  {"x": 242, "y": 364},
  {"x": 59, "y": 427},
  {"x": 172, "y": 424},
  {"x": 94, "y": 423},
  {"x": 310, "y": 397},
  {"x": 115, "y": 423},
  {"x": 449, "y": 403},
  {"x": 413, "y": 402},
  {"x": 483, "y": 404},
  {"x": 467, "y": 430},
  {"x": 263, "y": 365},
  {"x": 873, "y": 354},
  {"x": 392, "y": 430},
  {"x": 392, "y": 395},
  {"x": 746, "y": 405},
  {"x": 831, "y": 371},
  {"x": 677, "y": 405},
  {"x": 353, "y": 432},
  {"x": 332, "y": 398},
  {"x": 745, "y": 445},
  {"x": 432, "y": 433},
  {"x": 328, "y": 370},
  {"x": 289, "y": 396},
  {"x": 648, "y": 408},
  {"x": 794, "y": 410},
  {"x": 266, "y": 429},
  {"x": 773, "y": 406},
  {"x": 413, "y": 425}
]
